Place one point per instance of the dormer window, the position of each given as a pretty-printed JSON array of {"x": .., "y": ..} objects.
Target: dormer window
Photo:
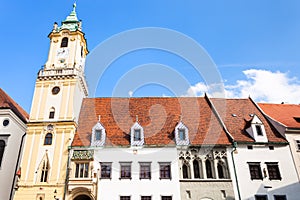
[
  {"x": 257, "y": 130},
  {"x": 181, "y": 134},
  {"x": 98, "y": 135},
  {"x": 137, "y": 135},
  {"x": 64, "y": 42}
]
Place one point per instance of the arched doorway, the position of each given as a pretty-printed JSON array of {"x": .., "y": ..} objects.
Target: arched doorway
[{"x": 82, "y": 197}]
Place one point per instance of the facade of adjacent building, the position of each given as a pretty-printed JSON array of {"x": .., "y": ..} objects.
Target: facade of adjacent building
[
  {"x": 13, "y": 121},
  {"x": 147, "y": 148},
  {"x": 286, "y": 119},
  {"x": 262, "y": 160}
]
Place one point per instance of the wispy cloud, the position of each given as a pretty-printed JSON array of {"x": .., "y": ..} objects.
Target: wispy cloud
[{"x": 261, "y": 85}]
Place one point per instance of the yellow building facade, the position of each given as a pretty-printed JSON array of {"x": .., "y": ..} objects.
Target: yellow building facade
[{"x": 59, "y": 90}]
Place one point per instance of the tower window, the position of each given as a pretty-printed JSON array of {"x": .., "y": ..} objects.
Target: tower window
[
  {"x": 2, "y": 147},
  {"x": 48, "y": 139},
  {"x": 44, "y": 172},
  {"x": 64, "y": 42},
  {"x": 51, "y": 113}
]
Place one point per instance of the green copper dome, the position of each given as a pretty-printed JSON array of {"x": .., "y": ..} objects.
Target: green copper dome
[{"x": 71, "y": 22}]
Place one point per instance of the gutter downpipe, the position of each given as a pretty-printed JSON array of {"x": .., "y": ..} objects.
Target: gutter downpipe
[
  {"x": 16, "y": 169},
  {"x": 234, "y": 169}
]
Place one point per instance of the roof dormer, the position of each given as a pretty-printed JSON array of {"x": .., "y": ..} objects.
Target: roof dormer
[
  {"x": 137, "y": 134},
  {"x": 98, "y": 135},
  {"x": 181, "y": 134},
  {"x": 257, "y": 130}
]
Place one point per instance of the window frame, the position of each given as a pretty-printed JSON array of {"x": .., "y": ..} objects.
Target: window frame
[
  {"x": 44, "y": 171},
  {"x": 137, "y": 134},
  {"x": 48, "y": 139},
  {"x": 147, "y": 173},
  {"x": 181, "y": 134},
  {"x": 124, "y": 172},
  {"x": 2, "y": 150},
  {"x": 276, "y": 196},
  {"x": 259, "y": 196},
  {"x": 252, "y": 171},
  {"x": 297, "y": 144},
  {"x": 85, "y": 170},
  {"x": 165, "y": 173},
  {"x": 105, "y": 164},
  {"x": 259, "y": 130},
  {"x": 146, "y": 197},
  {"x": 64, "y": 42},
  {"x": 197, "y": 171},
  {"x": 125, "y": 197},
  {"x": 98, "y": 134},
  {"x": 166, "y": 197},
  {"x": 273, "y": 171}
]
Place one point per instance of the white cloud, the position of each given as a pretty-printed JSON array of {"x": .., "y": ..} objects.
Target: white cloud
[
  {"x": 261, "y": 85},
  {"x": 130, "y": 93}
]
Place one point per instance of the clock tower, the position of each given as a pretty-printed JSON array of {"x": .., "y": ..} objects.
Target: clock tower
[{"x": 59, "y": 90}]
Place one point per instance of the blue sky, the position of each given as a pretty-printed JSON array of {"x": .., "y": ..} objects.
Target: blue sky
[{"x": 255, "y": 44}]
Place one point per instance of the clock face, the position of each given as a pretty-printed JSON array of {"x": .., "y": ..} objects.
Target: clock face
[{"x": 62, "y": 53}]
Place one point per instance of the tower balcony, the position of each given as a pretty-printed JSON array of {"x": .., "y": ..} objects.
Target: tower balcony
[{"x": 59, "y": 72}]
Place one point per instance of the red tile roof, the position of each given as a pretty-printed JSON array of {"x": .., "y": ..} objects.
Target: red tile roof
[
  {"x": 238, "y": 115},
  {"x": 6, "y": 102},
  {"x": 158, "y": 117},
  {"x": 283, "y": 113}
]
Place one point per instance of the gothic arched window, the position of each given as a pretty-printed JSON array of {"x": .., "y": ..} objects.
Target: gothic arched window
[
  {"x": 185, "y": 171},
  {"x": 48, "y": 139},
  {"x": 220, "y": 171},
  {"x": 44, "y": 171},
  {"x": 208, "y": 168},
  {"x": 64, "y": 42},
  {"x": 2, "y": 147},
  {"x": 196, "y": 169}
]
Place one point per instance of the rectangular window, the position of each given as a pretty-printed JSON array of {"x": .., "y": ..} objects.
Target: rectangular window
[
  {"x": 165, "y": 170},
  {"x": 105, "y": 170},
  {"x": 145, "y": 170},
  {"x": 98, "y": 134},
  {"x": 137, "y": 135},
  {"x": 146, "y": 198},
  {"x": 255, "y": 171},
  {"x": 261, "y": 197},
  {"x": 82, "y": 170},
  {"x": 298, "y": 145},
  {"x": 181, "y": 134},
  {"x": 125, "y": 171},
  {"x": 258, "y": 130},
  {"x": 166, "y": 197},
  {"x": 124, "y": 197},
  {"x": 279, "y": 197},
  {"x": 273, "y": 171},
  {"x": 51, "y": 115}
]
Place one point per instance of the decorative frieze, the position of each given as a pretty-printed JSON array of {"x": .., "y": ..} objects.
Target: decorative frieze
[{"x": 83, "y": 155}]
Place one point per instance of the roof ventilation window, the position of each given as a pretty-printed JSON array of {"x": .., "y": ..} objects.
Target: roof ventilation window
[{"x": 233, "y": 115}]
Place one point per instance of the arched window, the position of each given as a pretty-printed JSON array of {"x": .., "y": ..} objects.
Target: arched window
[
  {"x": 196, "y": 169},
  {"x": 2, "y": 147},
  {"x": 52, "y": 113},
  {"x": 220, "y": 171},
  {"x": 44, "y": 171},
  {"x": 48, "y": 139},
  {"x": 64, "y": 42},
  {"x": 185, "y": 171},
  {"x": 209, "y": 173}
]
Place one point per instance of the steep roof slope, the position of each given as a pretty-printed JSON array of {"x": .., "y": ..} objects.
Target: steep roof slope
[
  {"x": 238, "y": 115},
  {"x": 286, "y": 114},
  {"x": 6, "y": 102},
  {"x": 158, "y": 117}
]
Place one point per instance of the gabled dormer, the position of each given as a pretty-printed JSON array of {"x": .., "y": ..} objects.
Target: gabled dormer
[
  {"x": 137, "y": 134},
  {"x": 182, "y": 134},
  {"x": 257, "y": 130},
  {"x": 98, "y": 135}
]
